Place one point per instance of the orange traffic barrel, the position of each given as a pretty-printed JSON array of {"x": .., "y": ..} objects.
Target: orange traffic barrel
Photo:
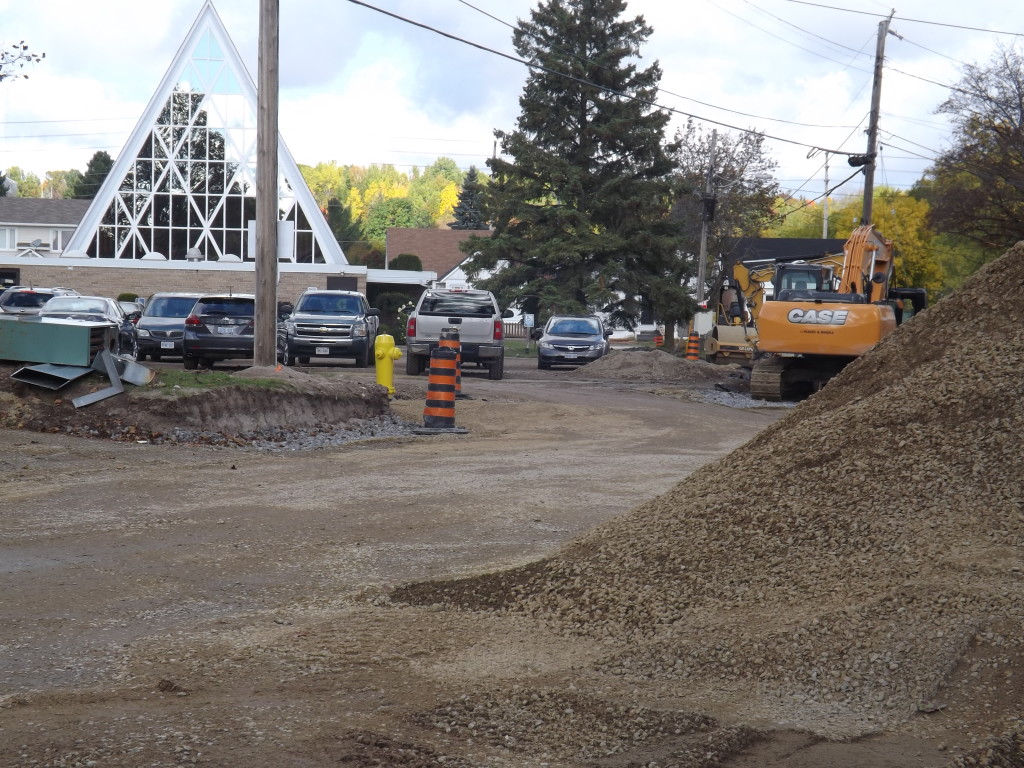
[
  {"x": 659, "y": 340},
  {"x": 449, "y": 339},
  {"x": 439, "y": 412},
  {"x": 693, "y": 347}
]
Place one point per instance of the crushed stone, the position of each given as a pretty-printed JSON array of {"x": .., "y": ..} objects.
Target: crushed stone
[{"x": 856, "y": 562}]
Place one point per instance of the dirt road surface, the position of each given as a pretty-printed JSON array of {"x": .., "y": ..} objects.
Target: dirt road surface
[{"x": 169, "y": 605}]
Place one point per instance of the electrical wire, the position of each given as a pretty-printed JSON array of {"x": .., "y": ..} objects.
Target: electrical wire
[
  {"x": 667, "y": 92},
  {"x": 582, "y": 81}
]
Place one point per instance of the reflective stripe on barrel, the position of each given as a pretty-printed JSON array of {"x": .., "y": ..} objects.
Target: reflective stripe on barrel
[
  {"x": 449, "y": 339},
  {"x": 439, "y": 412}
]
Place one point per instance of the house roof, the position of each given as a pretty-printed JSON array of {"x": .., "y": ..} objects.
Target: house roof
[
  {"x": 774, "y": 248},
  {"x": 438, "y": 249},
  {"x": 42, "y": 212}
]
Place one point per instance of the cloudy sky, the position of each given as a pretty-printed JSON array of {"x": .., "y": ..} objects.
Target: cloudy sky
[{"x": 360, "y": 87}]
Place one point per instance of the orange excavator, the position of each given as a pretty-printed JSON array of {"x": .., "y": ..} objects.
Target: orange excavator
[{"x": 824, "y": 315}]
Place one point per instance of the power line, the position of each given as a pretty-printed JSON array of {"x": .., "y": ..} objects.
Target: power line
[
  {"x": 660, "y": 89},
  {"x": 904, "y": 18},
  {"x": 645, "y": 102}
]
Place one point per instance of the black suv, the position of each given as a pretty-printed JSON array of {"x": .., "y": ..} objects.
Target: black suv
[{"x": 220, "y": 327}]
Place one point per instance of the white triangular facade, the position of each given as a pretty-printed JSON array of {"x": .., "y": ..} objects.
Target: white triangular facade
[{"x": 184, "y": 186}]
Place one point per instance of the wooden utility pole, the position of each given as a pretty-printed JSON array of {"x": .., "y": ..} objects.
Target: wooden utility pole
[
  {"x": 824, "y": 205},
  {"x": 265, "y": 353},
  {"x": 876, "y": 99},
  {"x": 709, "y": 192}
]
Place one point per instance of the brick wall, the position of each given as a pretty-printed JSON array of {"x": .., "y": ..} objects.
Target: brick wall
[{"x": 107, "y": 281}]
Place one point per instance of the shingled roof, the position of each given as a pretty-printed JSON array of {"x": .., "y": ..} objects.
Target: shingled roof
[
  {"x": 42, "y": 212},
  {"x": 438, "y": 249}
]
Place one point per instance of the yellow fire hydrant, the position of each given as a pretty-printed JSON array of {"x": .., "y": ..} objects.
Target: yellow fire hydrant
[{"x": 385, "y": 352}]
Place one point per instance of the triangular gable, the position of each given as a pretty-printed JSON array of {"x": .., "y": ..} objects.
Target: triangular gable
[{"x": 186, "y": 179}]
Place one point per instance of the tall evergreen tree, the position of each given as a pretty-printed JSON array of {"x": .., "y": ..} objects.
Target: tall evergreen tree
[
  {"x": 580, "y": 212},
  {"x": 3, "y": 184},
  {"x": 468, "y": 211},
  {"x": 95, "y": 173}
]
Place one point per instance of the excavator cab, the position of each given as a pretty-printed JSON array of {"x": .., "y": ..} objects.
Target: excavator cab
[{"x": 801, "y": 282}]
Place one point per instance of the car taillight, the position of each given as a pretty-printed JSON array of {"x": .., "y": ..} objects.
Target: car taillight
[
  {"x": 192, "y": 320},
  {"x": 499, "y": 330},
  {"x": 410, "y": 328}
]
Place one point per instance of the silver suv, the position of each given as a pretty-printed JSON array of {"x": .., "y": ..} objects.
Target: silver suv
[
  {"x": 25, "y": 300},
  {"x": 474, "y": 314}
]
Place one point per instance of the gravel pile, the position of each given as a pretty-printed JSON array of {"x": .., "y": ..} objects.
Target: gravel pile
[
  {"x": 858, "y": 563},
  {"x": 555, "y": 727},
  {"x": 653, "y": 365}
]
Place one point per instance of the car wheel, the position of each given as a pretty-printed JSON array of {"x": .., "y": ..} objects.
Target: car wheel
[
  {"x": 141, "y": 357},
  {"x": 190, "y": 362},
  {"x": 412, "y": 364},
  {"x": 206, "y": 362},
  {"x": 303, "y": 360},
  {"x": 496, "y": 370},
  {"x": 543, "y": 364},
  {"x": 363, "y": 358}
]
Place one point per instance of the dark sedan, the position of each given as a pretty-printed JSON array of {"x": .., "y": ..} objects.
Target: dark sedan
[
  {"x": 220, "y": 327},
  {"x": 571, "y": 340}
]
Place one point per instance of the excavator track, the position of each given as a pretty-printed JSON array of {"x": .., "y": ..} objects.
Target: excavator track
[{"x": 766, "y": 378}]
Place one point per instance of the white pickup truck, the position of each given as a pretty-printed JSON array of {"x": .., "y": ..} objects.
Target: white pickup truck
[{"x": 476, "y": 317}]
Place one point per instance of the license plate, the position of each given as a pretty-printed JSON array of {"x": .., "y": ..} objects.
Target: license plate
[
  {"x": 166, "y": 345},
  {"x": 570, "y": 355},
  {"x": 323, "y": 350},
  {"x": 225, "y": 329}
]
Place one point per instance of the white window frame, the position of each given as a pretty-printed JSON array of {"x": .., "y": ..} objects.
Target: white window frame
[
  {"x": 59, "y": 239},
  {"x": 8, "y": 239}
]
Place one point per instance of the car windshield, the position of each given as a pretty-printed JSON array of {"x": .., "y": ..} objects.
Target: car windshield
[
  {"x": 457, "y": 304},
  {"x": 170, "y": 306},
  {"x": 27, "y": 299},
  {"x": 574, "y": 327},
  {"x": 326, "y": 304},
  {"x": 227, "y": 306},
  {"x": 75, "y": 305}
]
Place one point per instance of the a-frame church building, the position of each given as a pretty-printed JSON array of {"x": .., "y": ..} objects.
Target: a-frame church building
[{"x": 177, "y": 211}]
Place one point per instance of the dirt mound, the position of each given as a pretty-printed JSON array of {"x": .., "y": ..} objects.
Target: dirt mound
[
  {"x": 858, "y": 564},
  {"x": 653, "y": 365},
  {"x": 265, "y": 398}
]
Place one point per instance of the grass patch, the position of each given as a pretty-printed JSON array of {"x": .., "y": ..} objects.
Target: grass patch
[{"x": 212, "y": 380}]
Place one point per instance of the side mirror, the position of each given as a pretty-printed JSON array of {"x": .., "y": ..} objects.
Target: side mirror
[
  {"x": 536, "y": 333},
  {"x": 607, "y": 334},
  {"x": 507, "y": 314},
  {"x": 134, "y": 316},
  {"x": 373, "y": 312}
]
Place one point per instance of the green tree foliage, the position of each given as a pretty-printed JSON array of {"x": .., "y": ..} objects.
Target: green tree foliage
[
  {"x": 95, "y": 173},
  {"x": 580, "y": 212},
  {"x": 468, "y": 211},
  {"x": 15, "y": 57},
  {"x": 976, "y": 187},
  {"x": 394, "y": 312},
  {"x": 327, "y": 181},
  {"x": 434, "y": 191},
  {"x": 3, "y": 184},
  {"x": 799, "y": 217},
  {"x": 346, "y": 231},
  {"x": 392, "y": 212},
  {"x": 60, "y": 185},
  {"x": 29, "y": 184},
  {"x": 903, "y": 219},
  {"x": 408, "y": 261},
  {"x": 745, "y": 193}
]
